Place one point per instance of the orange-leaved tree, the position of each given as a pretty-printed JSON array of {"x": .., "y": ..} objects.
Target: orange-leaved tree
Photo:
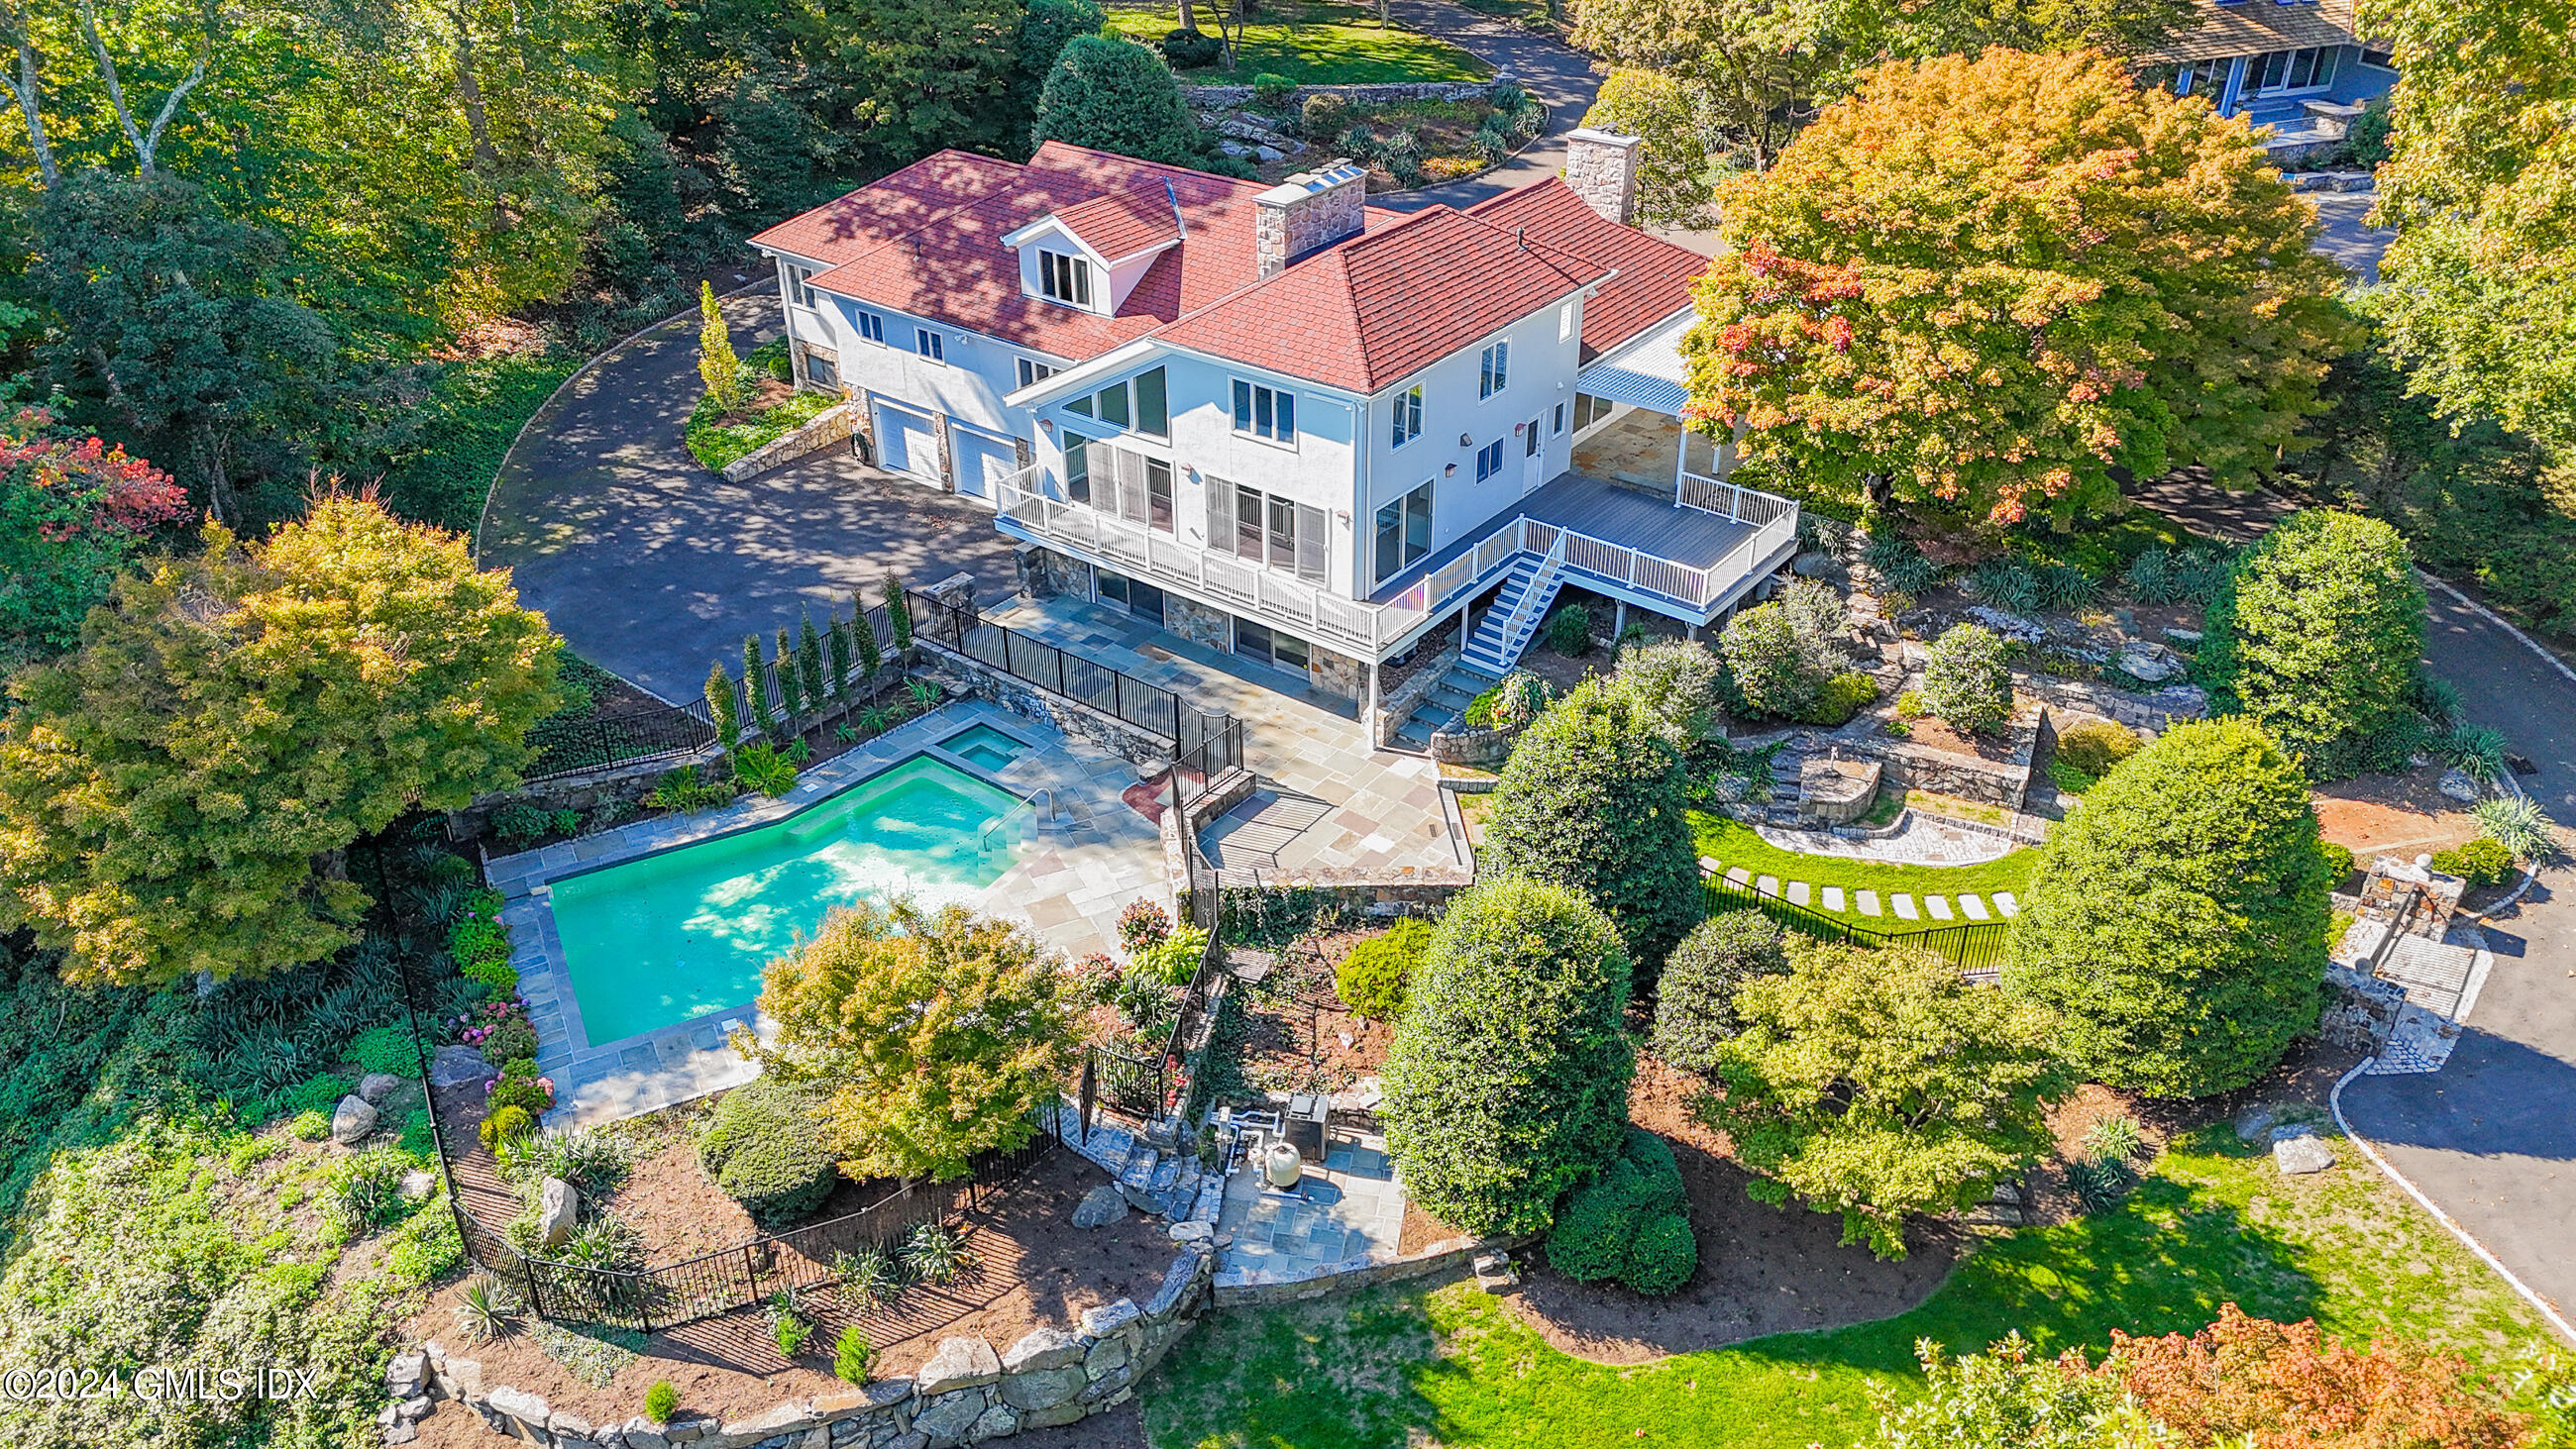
[{"x": 1981, "y": 284}]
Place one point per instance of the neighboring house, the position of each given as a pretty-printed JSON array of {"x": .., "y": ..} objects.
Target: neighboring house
[
  {"x": 1278, "y": 421},
  {"x": 2297, "y": 66}
]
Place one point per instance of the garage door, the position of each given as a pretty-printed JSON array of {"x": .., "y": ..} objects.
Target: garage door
[
  {"x": 906, "y": 440},
  {"x": 982, "y": 460}
]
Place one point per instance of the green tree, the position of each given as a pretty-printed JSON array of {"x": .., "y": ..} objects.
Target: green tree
[
  {"x": 898, "y": 613},
  {"x": 177, "y": 792},
  {"x": 1695, "y": 999},
  {"x": 755, "y": 686},
  {"x": 838, "y": 642},
  {"x": 1672, "y": 170},
  {"x": 2316, "y": 635},
  {"x": 2178, "y": 921},
  {"x": 73, "y": 513},
  {"x": 1775, "y": 672},
  {"x": 1047, "y": 28},
  {"x": 2480, "y": 295},
  {"x": 791, "y": 694},
  {"x": 2004, "y": 1399},
  {"x": 932, "y": 1037},
  {"x": 809, "y": 661},
  {"x": 1877, "y": 1083},
  {"x": 1965, "y": 678},
  {"x": 718, "y": 365},
  {"x": 1677, "y": 682},
  {"x": 1592, "y": 799},
  {"x": 1748, "y": 62},
  {"x": 1507, "y": 1079},
  {"x": 1115, "y": 95},
  {"x": 864, "y": 632},
  {"x": 720, "y": 706},
  {"x": 1898, "y": 312}
]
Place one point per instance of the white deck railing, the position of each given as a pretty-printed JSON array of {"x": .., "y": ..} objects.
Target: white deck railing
[{"x": 1162, "y": 558}]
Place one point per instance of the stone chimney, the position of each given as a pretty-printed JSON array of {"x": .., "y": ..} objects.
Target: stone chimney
[
  {"x": 1308, "y": 210},
  {"x": 1602, "y": 169}
]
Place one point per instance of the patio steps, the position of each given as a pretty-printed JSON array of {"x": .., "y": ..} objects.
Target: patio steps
[
  {"x": 1509, "y": 625},
  {"x": 1447, "y": 700}
]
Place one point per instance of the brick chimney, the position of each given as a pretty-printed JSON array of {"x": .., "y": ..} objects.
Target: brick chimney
[
  {"x": 1308, "y": 210},
  {"x": 1602, "y": 168}
]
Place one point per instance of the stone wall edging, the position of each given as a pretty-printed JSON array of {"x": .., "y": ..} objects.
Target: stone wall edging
[
  {"x": 1397, "y": 704},
  {"x": 831, "y": 426},
  {"x": 1245, "y": 1287},
  {"x": 1226, "y": 98},
  {"x": 1470, "y": 746},
  {"x": 969, "y": 675}
]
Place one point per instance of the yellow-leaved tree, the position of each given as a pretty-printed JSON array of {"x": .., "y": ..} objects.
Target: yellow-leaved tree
[
  {"x": 1982, "y": 284},
  {"x": 934, "y": 1035},
  {"x": 176, "y": 793}
]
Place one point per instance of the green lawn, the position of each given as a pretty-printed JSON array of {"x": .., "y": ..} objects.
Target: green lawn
[
  {"x": 715, "y": 442},
  {"x": 2212, "y": 1223},
  {"x": 1312, "y": 44},
  {"x": 1732, "y": 843}
]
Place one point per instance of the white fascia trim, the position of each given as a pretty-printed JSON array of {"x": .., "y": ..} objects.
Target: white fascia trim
[
  {"x": 765, "y": 249},
  {"x": 1236, "y": 367},
  {"x": 1082, "y": 374}
]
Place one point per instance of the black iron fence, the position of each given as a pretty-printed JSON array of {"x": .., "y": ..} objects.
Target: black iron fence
[
  {"x": 1975, "y": 947},
  {"x": 1113, "y": 692},
  {"x": 591, "y": 742}
]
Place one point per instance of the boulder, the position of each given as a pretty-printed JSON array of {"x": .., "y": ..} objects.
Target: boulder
[
  {"x": 1043, "y": 1388},
  {"x": 376, "y": 1086},
  {"x": 519, "y": 1404},
  {"x": 643, "y": 1433},
  {"x": 1192, "y": 1232},
  {"x": 2302, "y": 1154},
  {"x": 405, "y": 1374},
  {"x": 352, "y": 1120},
  {"x": 961, "y": 1363},
  {"x": 994, "y": 1423},
  {"x": 1100, "y": 1207},
  {"x": 1106, "y": 1356},
  {"x": 418, "y": 1184},
  {"x": 2153, "y": 663},
  {"x": 1042, "y": 1348},
  {"x": 2255, "y": 1122},
  {"x": 1110, "y": 1317},
  {"x": 558, "y": 1210},
  {"x": 949, "y": 1418},
  {"x": 2456, "y": 784},
  {"x": 1050, "y": 1418},
  {"x": 455, "y": 1066},
  {"x": 570, "y": 1425}
]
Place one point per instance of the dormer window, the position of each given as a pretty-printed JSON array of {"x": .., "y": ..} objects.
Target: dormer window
[{"x": 1065, "y": 278}]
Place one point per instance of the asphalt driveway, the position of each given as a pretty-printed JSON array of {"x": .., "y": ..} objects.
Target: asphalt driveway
[{"x": 653, "y": 567}]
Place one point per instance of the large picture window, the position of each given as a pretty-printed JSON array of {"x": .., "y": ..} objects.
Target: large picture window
[
  {"x": 1141, "y": 403},
  {"x": 1266, "y": 529},
  {"x": 1118, "y": 481},
  {"x": 1403, "y": 533}
]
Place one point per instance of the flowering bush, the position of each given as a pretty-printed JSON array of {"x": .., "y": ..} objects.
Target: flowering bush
[
  {"x": 1143, "y": 925},
  {"x": 73, "y": 512}
]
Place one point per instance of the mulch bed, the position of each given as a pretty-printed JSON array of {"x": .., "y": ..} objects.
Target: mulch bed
[
  {"x": 1298, "y": 1024},
  {"x": 1030, "y": 1268},
  {"x": 2404, "y": 815}
]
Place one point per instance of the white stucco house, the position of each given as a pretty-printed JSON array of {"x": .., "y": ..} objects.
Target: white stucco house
[{"x": 1279, "y": 421}]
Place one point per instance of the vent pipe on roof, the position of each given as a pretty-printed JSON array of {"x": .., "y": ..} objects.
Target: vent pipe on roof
[{"x": 1520, "y": 237}]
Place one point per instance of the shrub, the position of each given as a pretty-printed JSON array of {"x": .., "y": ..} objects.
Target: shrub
[
  {"x": 1965, "y": 681},
  {"x": 2481, "y": 862},
  {"x": 2177, "y": 922},
  {"x": 1174, "y": 959},
  {"x": 1843, "y": 696},
  {"x": 2315, "y": 636},
  {"x": 1603, "y": 1231},
  {"x": 2517, "y": 824},
  {"x": 1320, "y": 114},
  {"x": 519, "y": 823},
  {"x": 762, "y": 768},
  {"x": 1910, "y": 704},
  {"x": 1143, "y": 924},
  {"x": 521, "y": 1087},
  {"x": 385, "y": 1049},
  {"x": 508, "y": 1040},
  {"x": 1695, "y": 1000},
  {"x": 2095, "y": 745},
  {"x": 764, "y": 1147},
  {"x": 504, "y": 1125},
  {"x": 661, "y": 1401},
  {"x": 1568, "y": 631},
  {"x": 1372, "y": 979},
  {"x": 1190, "y": 49},
  {"x": 1663, "y": 1257},
  {"x": 2338, "y": 862},
  {"x": 1112, "y": 95},
  {"x": 1773, "y": 668},
  {"x": 1593, "y": 798},
  {"x": 680, "y": 789},
  {"x": 1272, "y": 92},
  {"x": 791, "y": 1329},
  {"x": 1507, "y": 1081},
  {"x": 851, "y": 1355}
]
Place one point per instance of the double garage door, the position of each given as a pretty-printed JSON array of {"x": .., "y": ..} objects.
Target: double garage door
[{"x": 909, "y": 442}]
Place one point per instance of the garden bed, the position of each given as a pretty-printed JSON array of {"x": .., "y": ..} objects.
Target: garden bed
[
  {"x": 773, "y": 410},
  {"x": 2405, "y": 815},
  {"x": 1297, "y": 1025}
]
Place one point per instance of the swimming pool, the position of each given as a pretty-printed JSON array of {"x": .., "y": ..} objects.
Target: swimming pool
[
  {"x": 685, "y": 932},
  {"x": 985, "y": 746}
]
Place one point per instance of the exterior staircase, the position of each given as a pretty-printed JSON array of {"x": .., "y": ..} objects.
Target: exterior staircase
[
  {"x": 1528, "y": 589},
  {"x": 1447, "y": 700},
  {"x": 1160, "y": 1179}
]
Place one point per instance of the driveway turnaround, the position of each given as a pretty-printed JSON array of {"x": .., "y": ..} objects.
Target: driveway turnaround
[
  {"x": 653, "y": 567},
  {"x": 1556, "y": 73}
]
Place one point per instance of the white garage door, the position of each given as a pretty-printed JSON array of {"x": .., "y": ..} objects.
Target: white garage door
[
  {"x": 982, "y": 460},
  {"x": 907, "y": 442}
]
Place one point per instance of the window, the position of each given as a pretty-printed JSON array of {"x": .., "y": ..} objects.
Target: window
[
  {"x": 1153, "y": 407},
  {"x": 1032, "y": 371},
  {"x": 1140, "y": 403},
  {"x": 1403, "y": 532},
  {"x": 797, "y": 289},
  {"x": 2202, "y": 78},
  {"x": 1529, "y": 439},
  {"x": 1118, "y": 481},
  {"x": 1494, "y": 370},
  {"x": 1278, "y": 532},
  {"x": 1265, "y": 412},
  {"x": 871, "y": 327},
  {"x": 930, "y": 344},
  {"x": 2295, "y": 70},
  {"x": 1489, "y": 460},
  {"x": 1260, "y": 641},
  {"x": 2379, "y": 59},
  {"x": 1065, "y": 278},
  {"x": 820, "y": 370},
  {"x": 1113, "y": 405},
  {"x": 1560, "y": 419},
  {"x": 1565, "y": 321},
  {"x": 1408, "y": 416},
  {"x": 1077, "y": 467},
  {"x": 1589, "y": 410}
]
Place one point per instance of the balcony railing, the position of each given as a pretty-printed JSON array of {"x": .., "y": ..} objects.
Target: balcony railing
[{"x": 1161, "y": 558}]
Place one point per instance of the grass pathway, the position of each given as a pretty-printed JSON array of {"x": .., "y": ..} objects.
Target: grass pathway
[
  {"x": 2212, "y": 1222},
  {"x": 1880, "y": 894}
]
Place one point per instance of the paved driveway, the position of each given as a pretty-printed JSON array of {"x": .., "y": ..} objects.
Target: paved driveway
[
  {"x": 1547, "y": 68},
  {"x": 653, "y": 567}
]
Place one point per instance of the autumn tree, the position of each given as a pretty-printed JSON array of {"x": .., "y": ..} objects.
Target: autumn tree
[
  {"x": 73, "y": 513},
  {"x": 174, "y": 795},
  {"x": 1981, "y": 285},
  {"x": 1747, "y": 64},
  {"x": 931, "y": 1036},
  {"x": 1878, "y": 1084},
  {"x": 2479, "y": 300}
]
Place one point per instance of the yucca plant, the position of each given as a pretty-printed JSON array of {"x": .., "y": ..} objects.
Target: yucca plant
[
  {"x": 2100, "y": 1183},
  {"x": 934, "y": 1254},
  {"x": 486, "y": 1311},
  {"x": 868, "y": 1276},
  {"x": 2113, "y": 1138},
  {"x": 2518, "y": 824},
  {"x": 2477, "y": 751}
]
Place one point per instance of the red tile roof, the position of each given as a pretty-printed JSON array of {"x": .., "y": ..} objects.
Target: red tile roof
[
  {"x": 1362, "y": 314},
  {"x": 1654, "y": 275}
]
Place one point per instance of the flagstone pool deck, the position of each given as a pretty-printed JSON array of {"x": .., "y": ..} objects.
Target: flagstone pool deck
[{"x": 1075, "y": 873}]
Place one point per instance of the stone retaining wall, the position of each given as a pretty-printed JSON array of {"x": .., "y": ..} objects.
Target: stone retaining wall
[
  {"x": 1396, "y": 705},
  {"x": 963, "y": 674},
  {"x": 830, "y": 428},
  {"x": 584, "y": 791},
  {"x": 1240, "y": 1287},
  {"x": 2004, "y": 783},
  {"x": 1226, "y": 98},
  {"x": 2149, "y": 714},
  {"x": 2360, "y": 1010},
  {"x": 1468, "y": 746},
  {"x": 967, "y": 1393}
]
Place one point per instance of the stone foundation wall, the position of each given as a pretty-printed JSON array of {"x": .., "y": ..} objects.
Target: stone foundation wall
[
  {"x": 967, "y": 1393},
  {"x": 831, "y": 428},
  {"x": 1198, "y": 623},
  {"x": 1058, "y": 575},
  {"x": 1337, "y": 674},
  {"x": 960, "y": 674}
]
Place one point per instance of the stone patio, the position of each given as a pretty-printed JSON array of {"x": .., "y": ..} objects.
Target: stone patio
[
  {"x": 1349, "y": 1207},
  {"x": 1075, "y": 873}
]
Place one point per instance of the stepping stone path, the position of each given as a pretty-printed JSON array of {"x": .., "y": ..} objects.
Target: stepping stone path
[
  {"x": 1973, "y": 908},
  {"x": 1938, "y": 907},
  {"x": 1834, "y": 898},
  {"x": 1739, "y": 877},
  {"x": 1868, "y": 901},
  {"x": 2006, "y": 905},
  {"x": 1708, "y": 865},
  {"x": 1904, "y": 905},
  {"x": 1798, "y": 893},
  {"x": 1769, "y": 885}
]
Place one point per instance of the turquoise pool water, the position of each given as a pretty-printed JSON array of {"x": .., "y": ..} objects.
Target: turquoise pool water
[
  {"x": 686, "y": 932},
  {"x": 984, "y": 745}
]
